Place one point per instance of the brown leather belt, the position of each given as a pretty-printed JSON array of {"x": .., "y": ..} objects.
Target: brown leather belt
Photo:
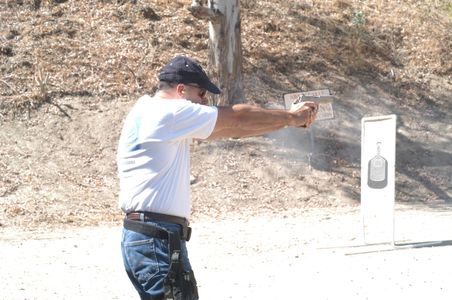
[{"x": 146, "y": 216}]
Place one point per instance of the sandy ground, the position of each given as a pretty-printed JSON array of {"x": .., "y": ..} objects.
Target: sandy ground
[{"x": 317, "y": 255}]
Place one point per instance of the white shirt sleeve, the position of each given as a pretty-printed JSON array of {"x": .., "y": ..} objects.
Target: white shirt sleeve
[{"x": 194, "y": 121}]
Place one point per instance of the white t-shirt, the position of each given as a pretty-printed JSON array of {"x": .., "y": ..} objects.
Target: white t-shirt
[{"x": 154, "y": 154}]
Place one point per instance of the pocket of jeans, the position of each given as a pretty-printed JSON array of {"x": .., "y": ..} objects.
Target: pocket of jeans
[{"x": 142, "y": 259}]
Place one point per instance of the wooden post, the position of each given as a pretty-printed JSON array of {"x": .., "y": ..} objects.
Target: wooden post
[{"x": 225, "y": 46}]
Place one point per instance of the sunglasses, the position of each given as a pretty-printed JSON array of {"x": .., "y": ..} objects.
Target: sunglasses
[{"x": 202, "y": 92}]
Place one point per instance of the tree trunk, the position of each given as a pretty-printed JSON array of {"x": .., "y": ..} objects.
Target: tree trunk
[{"x": 225, "y": 46}]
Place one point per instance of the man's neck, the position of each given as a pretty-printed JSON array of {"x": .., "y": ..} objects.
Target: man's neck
[{"x": 166, "y": 94}]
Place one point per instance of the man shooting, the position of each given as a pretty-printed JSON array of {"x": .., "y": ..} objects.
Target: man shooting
[{"x": 154, "y": 171}]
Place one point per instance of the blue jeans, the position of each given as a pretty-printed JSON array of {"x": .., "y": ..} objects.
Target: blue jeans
[{"x": 147, "y": 260}]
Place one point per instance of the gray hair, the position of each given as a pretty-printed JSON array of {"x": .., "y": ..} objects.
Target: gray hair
[{"x": 166, "y": 85}]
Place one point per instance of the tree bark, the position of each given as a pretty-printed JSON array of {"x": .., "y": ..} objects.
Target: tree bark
[{"x": 225, "y": 46}]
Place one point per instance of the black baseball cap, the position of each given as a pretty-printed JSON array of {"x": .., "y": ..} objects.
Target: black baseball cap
[{"x": 182, "y": 69}]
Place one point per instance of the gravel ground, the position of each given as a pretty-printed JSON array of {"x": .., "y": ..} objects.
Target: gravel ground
[{"x": 317, "y": 255}]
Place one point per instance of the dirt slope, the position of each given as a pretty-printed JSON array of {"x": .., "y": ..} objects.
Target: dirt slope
[{"x": 70, "y": 70}]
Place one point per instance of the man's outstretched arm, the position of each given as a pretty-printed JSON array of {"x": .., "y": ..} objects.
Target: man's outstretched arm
[{"x": 242, "y": 120}]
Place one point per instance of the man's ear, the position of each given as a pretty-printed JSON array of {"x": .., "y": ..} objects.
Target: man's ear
[{"x": 180, "y": 89}]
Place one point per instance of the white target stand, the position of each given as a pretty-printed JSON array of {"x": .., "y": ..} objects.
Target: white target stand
[{"x": 378, "y": 142}]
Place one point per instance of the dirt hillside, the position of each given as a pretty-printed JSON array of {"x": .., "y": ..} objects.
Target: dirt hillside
[{"x": 70, "y": 70}]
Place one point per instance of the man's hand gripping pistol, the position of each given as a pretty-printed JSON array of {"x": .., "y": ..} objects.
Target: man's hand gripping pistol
[{"x": 323, "y": 105}]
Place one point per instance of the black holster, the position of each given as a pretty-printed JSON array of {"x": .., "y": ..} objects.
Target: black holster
[{"x": 179, "y": 284}]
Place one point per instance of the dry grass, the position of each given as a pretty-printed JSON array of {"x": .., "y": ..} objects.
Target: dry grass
[
  {"x": 104, "y": 49},
  {"x": 96, "y": 49}
]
